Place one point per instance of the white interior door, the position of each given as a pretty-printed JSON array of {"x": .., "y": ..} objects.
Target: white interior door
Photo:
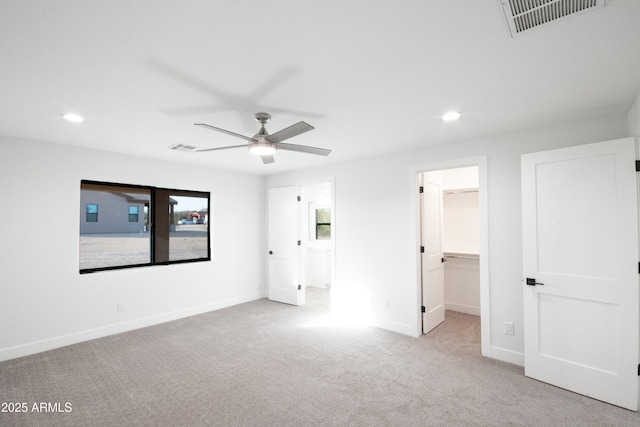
[
  {"x": 432, "y": 257},
  {"x": 284, "y": 283},
  {"x": 580, "y": 248}
]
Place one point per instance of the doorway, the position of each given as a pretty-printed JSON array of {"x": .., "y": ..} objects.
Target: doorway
[
  {"x": 465, "y": 260},
  {"x": 302, "y": 244},
  {"x": 450, "y": 244},
  {"x": 317, "y": 235}
]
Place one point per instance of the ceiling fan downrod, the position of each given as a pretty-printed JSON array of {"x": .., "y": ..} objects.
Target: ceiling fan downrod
[{"x": 262, "y": 146}]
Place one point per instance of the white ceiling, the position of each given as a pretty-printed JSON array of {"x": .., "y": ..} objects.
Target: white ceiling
[{"x": 372, "y": 76}]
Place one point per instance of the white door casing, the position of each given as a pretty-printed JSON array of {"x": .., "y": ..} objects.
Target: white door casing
[
  {"x": 432, "y": 265},
  {"x": 580, "y": 244},
  {"x": 283, "y": 246}
]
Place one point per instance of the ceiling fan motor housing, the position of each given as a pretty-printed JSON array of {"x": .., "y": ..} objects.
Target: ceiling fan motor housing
[{"x": 263, "y": 117}]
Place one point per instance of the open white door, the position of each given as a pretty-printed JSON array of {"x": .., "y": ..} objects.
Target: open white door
[
  {"x": 580, "y": 255},
  {"x": 284, "y": 281},
  {"x": 432, "y": 257}
]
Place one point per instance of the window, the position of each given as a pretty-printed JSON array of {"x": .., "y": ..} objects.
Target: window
[
  {"x": 133, "y": 213},
  {"x": 323, "y": 223},
  {"x": 92, "y": 213},
  {"x": 319, "y": 221},
  {"x": 190, "y": 239},
  {"x": 141, "y": 226}
]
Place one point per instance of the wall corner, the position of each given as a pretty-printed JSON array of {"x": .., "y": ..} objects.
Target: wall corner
[{"x": 633, "y": 118}]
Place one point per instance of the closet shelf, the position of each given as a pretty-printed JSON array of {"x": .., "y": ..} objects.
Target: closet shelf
[{"x": 474, "y": 257}]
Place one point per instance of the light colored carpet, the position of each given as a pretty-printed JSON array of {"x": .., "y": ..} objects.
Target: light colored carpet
[
  {"x": 269, "y": 364},
  {"x": 317, "y": 298}
]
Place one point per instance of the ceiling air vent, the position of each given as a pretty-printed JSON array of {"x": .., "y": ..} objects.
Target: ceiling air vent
[
  {"x": 183, "y": 147},
  {"x": 524, "y": 15}
]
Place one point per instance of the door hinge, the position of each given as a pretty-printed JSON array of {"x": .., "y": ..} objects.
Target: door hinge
[
  {"x": 299, "y": 287},
  {"x": 443, "y": 260},
  {"x": 299, "y": 243},
  {"x": 637, "y": 165},
  {"x": 421, "y": 249},
  {"x": 639, "y": 370},
  {"x": 421, "y": 189},
  {"x": 423, "y": 309},
  {"x": 298, "y": 198}
]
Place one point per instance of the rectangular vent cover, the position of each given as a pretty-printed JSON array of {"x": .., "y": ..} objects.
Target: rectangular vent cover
[
  {"x": 524, "y": 15},
  {"x": 183, "y": 147}
]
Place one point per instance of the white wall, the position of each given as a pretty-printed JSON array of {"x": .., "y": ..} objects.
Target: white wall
[
  {"x": 375, "y": 237},
  {"x": 460, "y": 178},
  {"x": 462, "y": 285},
  {"x": 461, "y": 222},
  {"x": 44, "y": 301}
]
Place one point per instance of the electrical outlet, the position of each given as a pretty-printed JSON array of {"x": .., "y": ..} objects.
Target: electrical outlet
[
  {"x": 120, "y": 307},
  {"x": 509, "y": 328}
]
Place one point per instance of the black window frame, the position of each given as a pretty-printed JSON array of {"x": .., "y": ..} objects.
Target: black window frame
[{"x": 158, "y": 214}]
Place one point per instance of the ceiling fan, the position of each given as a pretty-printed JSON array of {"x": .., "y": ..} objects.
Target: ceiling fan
[{"x": 265, "y": 145}]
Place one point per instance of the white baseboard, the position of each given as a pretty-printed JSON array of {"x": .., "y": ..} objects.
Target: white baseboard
[
  {"x": 468, "y": 309},
  {"x": 77, "y": 337},
  {"x": 400, "y": 328},
  {"x": 506, "y": 355}
]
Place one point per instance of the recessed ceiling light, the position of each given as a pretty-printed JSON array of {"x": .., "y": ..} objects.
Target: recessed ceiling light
[
  {"x": 72, "y": 117},
  {"x": 450, "y": 116}
]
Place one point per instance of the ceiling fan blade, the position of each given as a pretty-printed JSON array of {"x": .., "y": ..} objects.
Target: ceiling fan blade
[
  {"x": 222, "y": 148},
  {"x": 267, "y": 159},
  {"x": 304, "y": 149},
  {"x": 290, "y": 132},
  {"x": 228, "y": 132}
]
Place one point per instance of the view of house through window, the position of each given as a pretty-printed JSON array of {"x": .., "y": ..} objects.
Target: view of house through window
[
  {"x": 189, "y": 237},
  {"x": 128, "y": 226}
]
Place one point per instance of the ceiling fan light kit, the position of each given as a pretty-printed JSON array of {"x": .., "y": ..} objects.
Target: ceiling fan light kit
[
  {"x": 262, "y": 148},
  {"x": 265, "y": 145}
]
